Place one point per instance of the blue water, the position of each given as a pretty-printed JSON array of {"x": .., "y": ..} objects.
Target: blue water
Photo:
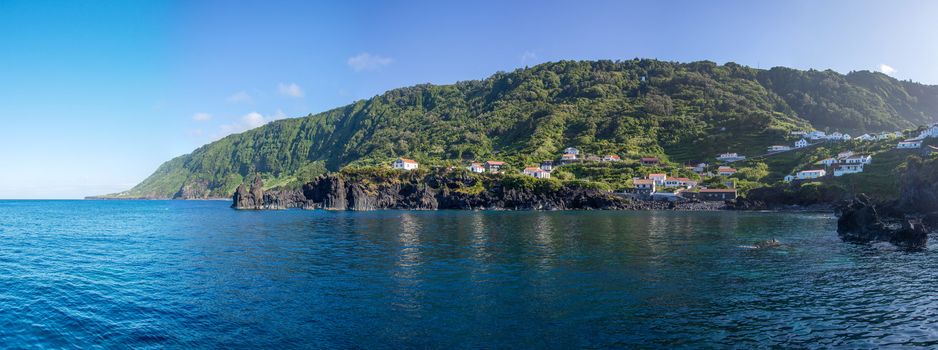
[{"x": 183, "y": 274}]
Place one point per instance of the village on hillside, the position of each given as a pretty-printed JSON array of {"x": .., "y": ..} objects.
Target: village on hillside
[{"x": 718, "y": 181}]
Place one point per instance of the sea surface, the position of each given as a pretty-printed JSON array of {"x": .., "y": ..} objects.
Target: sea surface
[{"x": 196, "y": 274}]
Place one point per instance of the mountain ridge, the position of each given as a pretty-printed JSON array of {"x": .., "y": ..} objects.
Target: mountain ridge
[{"x": 676, "y": 111}]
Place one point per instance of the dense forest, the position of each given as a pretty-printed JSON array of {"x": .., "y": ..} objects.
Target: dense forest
[{"x": 681, "y": 112}]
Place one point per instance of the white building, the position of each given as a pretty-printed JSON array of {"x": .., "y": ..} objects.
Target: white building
[
  {"x": 644, "y": 185},
  {"x": 680, "y": 182},
  {"x": 835, "y": 136},
  {"x": 726, "y": 171},
  {"x": 571, "y": 150},
  {"x": 828, "y": 161},
  {"x": 779, "y": 148},
  {"x": 848, "y": 169},
  {"x": 908, "y": 144},
  {"x": 699, "y": 168},
  {"x": 658, "y": 178},
  {"x": 536, "y": 172},
  {"x": 730, "y": 157},
  {"x": 801, "y": 143},
  {"x": 817, "y": 135},
  {"x": 404, "y": 164},
  {"x": 866, "y": 137},
  {"x": 810, "y": 174},
  {"x": 930, "y": 132},
  {"x": 845, "y": 154},
  {"x": 547, "y": 165},
  {"x": 476, "y": 168},
  {"x": 789, "y": 178},
  {"x": 859, "y": 159},
  {"x": 611, "y": 158}
]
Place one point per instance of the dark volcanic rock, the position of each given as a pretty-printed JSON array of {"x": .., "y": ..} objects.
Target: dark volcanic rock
[
  {"x": 255, "y": 198},
  {"x": 905, "y": 222},
  {"x": 445, "y": 190},
  {"x": 861, "y": 221}
]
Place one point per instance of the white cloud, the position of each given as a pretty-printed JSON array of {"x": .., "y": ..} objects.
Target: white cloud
[
  {"x": 528, "y": 57},
  {"x": 290, "y": 90},
  {"x": 886, "y": 69},
  {"x": 249, "y": 121},
  {"x": 201, "y": 117},
  {"x": 366, "y": 61},
  {"x": 240, "y": 96}
]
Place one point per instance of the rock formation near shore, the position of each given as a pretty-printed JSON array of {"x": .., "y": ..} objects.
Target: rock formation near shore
[{"x": 905, "y": 222}]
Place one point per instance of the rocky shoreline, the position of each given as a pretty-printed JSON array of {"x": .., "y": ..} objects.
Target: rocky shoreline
[{"x": 442, "y": 191}]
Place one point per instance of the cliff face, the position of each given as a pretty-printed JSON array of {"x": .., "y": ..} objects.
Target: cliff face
[
  {"x": 255, "y": 198},
  {"x": 431, "y": 192}
]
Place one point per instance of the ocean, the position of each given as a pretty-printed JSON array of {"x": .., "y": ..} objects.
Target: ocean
[{"x": 196, "y": 274}]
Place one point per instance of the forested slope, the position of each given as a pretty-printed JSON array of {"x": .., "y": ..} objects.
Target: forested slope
[{"x": 677, "y": 111}]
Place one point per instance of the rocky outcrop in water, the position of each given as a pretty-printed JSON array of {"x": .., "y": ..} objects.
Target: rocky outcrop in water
[
  {"x": 861, "y": 220},
  {"x": 905, "y": 222}
]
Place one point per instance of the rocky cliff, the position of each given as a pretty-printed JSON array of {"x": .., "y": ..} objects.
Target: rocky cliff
[{"x": 441, "y": 190}]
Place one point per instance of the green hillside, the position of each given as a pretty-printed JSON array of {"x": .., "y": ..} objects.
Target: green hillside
[{"x": 680, "y": 112}]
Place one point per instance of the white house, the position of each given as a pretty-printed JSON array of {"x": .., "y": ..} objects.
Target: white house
[
  {"x": 835, "y": 136},
  {"x": 404, "y": 164},
  {"x": 799, "y": 133},
  {"x": 680, "y": 182},
  {"x": 810, "y": 174},
  {"x": 730, "y": 157},
  {"x": 611, "y": 158},
  {"x": 930, "y": 132},
  {"x": 779, "y": 148},
  {"x": 568, "y": 157},
  {"x": 789, "y": 178},
  {"x": 726, "y": 171},
  {"x": 846, "y": 137},
  {"x": 859, "y": 159},
  {"x": 571, "y": 150},
  {"x": 801, "y": 143},
  {"x": 658, "y": 178},
  {"x": 907, "y": 144},
  {"x": 828, "y": 161},
  {"x": 817, "y": 135},
  {"x": 547, "y": 165},
  {"x": 494, "y": 166},
  {"x": 848, "y": 169},
  {"x": 866, "y": 137},
  {"x": 476, "y": 168},
  {"x": 644, "y": 185},
  {"x": 536, "y": 172}
]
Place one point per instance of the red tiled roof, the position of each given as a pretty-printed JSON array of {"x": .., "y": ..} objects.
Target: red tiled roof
[
  {"x": 493, "y": 162},
  {"x": 405, "y": 160}
]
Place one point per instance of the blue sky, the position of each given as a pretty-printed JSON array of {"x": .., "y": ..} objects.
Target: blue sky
[{"x": 95, "y": 95}]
